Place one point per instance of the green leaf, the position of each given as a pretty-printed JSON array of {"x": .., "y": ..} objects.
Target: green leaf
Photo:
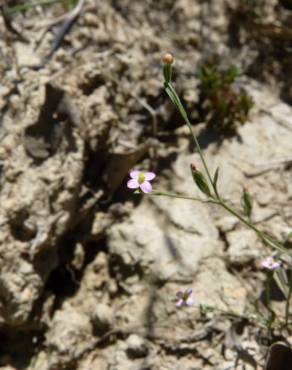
[
  {"x": 215, "y": 181},
  {"x": 170, "y": 94},
  {"x": 247, "y": 203},
  {"x": 175, "y": 100},
  {"x": 201, "y": 182}
]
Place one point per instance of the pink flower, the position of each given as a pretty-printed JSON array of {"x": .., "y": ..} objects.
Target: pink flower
[
  {"x": 141, "y": 180},
  {"x": 184, "y": 298},
  {"x": 270, "y": 264}
]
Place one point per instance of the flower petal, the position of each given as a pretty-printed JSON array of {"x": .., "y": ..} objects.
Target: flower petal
[
  {"x": 149, "y": 176},
  {"x": 135, "y": 174},
  {"x": 189, "y": 291},
  {"x": 270, "y": 263},
  {"x": 179, "y": 294},
  {"x": 133, "y": 184},
  {"x": 180, "y": 303},
  {"x": 276, "y": 265},
  {"x": 189, "y": 302},
  {"x": 146, "y": 187}
]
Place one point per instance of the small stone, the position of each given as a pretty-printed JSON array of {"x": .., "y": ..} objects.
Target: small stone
[
  {"x": 102, "y": 317},
  {"x": 8, "y": 143},
  {"x": 243, "y": 247},
  {"x": 136, "y": 346},
  {"x": 69, "y": 336},
  {"x": 112, "y": 287}
]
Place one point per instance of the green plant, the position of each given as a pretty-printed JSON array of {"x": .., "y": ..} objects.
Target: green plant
[
  {"x": 278, "y": 266},
  {"x": 207, "y": 184},
  {"x": 223, "y": 104}
]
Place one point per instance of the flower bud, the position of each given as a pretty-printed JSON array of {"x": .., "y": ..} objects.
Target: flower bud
[
  {"x": 193, "y": 168},
  {"x": 167, "y": 58},
  {"x": 167, "y": 68},
  {"x": 200, "y": 181}
]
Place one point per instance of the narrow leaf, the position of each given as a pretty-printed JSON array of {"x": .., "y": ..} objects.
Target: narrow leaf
[
  {"x": 247, "y": 203},
  {"x": 215, "y": 180}
]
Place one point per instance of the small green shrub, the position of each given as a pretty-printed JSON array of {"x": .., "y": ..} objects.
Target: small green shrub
[{"x": 223, "y": 104}]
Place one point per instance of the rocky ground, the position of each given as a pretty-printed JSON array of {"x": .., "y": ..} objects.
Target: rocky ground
[{"x": 89, "y": 271}]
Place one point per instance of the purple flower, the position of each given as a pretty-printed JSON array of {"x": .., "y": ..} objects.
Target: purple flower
[
  {"x": 141, "y": 180},
  {"x": 184, "y": 298},
  {"x": 270, "y": 263}
]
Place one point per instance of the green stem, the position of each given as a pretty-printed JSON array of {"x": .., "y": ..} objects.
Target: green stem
[
  {"x": 184, "y": 115},
  {"x": 268, "y": 302},
  {"x": 173, "y": 195},
  {"x": 287, "y": 306},
  {"x": 237, "y": 215},
  {"x": 206, "y": 307},
  {"x": 199, "y": 150},
  {"x": 266, "y": 239}
]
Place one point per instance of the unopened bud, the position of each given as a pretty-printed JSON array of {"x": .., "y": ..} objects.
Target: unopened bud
[
  {"x": 193, "y": 167},
  {"x": 245, "y": 189},
  {"x": 200, "y": 181},
  {"x": 167, "y": 58}
]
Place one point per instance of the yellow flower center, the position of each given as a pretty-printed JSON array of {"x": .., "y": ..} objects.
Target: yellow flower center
[{"x": 141, "y": 178}]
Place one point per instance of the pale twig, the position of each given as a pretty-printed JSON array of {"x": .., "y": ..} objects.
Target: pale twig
[
  {"x": 268, "y": 167},
  {"x": 274, "y": 163},
  {"x": 69, "y": 20},
  {"x": 152, "y": 112}
]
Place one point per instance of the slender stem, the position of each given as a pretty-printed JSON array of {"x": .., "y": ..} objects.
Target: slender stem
[
  {"x": 173, "y": 195},
  {"x": 237, "y": 215},
  {"x": 268, "y": 302},
  {"x": 268, "y": 289},
  {"x": 287, "y": 306},
  {"x": 251, "y": 317},
  {"x": 266, "y": 239},
  {"x": 188, "y": 123},
  {"x": 199, "y": 149}
]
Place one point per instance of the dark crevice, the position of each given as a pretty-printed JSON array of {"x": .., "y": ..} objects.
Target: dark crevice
[
  {"x": 91, "y": 251},
  {"x": 92, "y": 84},
  {"x": 223, "y": 238},
  {"x": 62, "y": 282},
  {"x": 18, "y": 347}
]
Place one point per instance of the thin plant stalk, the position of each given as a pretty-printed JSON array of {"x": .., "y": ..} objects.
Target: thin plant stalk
[
  {"x": 230, "y": 313},
  {"x": 178, "y": 196},
  {"x": 287, "y": 306},
  {"x": 266, "y": 239},
  {"x": 171, "y": 91},
  {"x": 268, "y": 302}
]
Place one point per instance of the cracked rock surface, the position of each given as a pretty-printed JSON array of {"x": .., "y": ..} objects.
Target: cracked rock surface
[{"x": 89, "y": 271}]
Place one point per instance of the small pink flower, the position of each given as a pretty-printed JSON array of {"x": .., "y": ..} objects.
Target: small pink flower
[
  {"x": 270, "y": 263},
  {"x": 141, "y": 180},
  {"x": 184, "y": 298}
]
